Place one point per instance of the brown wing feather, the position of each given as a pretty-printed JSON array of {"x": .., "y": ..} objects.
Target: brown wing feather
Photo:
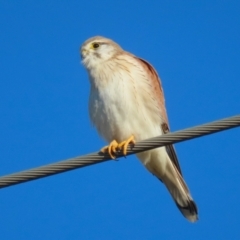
[
  {"x": 157, "y": 88},
  {"x": 170, "y": 149},
  {"x": 156, "y": 83}
]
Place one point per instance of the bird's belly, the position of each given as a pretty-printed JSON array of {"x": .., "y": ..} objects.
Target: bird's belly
[{"x": 116, "y": 115}]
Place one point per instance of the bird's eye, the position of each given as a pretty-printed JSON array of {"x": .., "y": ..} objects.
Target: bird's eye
[{"x": 95, "y": 45}]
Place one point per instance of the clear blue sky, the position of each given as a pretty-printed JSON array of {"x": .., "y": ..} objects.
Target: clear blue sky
[{"x": 194, "y": 45}]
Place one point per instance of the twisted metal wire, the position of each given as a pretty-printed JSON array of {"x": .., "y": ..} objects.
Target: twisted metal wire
[{"x": 94, "y": 158}]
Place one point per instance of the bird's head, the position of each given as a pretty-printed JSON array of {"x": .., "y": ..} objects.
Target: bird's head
[{"x": 97, "y": 50}]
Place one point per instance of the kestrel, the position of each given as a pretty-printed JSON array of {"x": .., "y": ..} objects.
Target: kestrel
[{"x": 127, "y": 104}]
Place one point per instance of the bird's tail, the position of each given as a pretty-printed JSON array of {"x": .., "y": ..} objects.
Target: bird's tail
[
  {"x": 159, "y": 163},
  {"x": 180, "y": 192}
]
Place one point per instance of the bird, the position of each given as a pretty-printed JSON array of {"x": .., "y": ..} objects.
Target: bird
[{"x": 127, "y": 104}]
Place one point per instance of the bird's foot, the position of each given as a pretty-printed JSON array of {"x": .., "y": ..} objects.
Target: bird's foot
[
  {"x": 111, "y": 149},
  {"x": 114, "y": 147},
  {"x": 123, "y": 145}
]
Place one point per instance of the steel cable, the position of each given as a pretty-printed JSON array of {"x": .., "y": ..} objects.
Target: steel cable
[{"x": 87, "y": 160}]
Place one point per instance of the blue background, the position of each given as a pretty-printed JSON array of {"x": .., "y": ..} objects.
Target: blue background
[{"x": 194, "y": 45}]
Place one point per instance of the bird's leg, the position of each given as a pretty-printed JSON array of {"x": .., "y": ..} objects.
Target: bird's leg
[
  {"x": 123, "y": 145},
  {"x": 111, "y": 149}
]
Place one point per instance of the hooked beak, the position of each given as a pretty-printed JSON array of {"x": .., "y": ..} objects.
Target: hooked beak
[{"x": 83, "y": 53}]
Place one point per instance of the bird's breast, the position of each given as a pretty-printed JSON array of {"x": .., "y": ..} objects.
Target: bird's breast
[{"x": 119, "y": 106}]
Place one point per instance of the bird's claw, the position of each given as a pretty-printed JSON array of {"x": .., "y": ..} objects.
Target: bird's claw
[
  {"x": 124, "y": 145},
  {"x": 114, "y": 147},
  {"x": 111, "y": 149}
]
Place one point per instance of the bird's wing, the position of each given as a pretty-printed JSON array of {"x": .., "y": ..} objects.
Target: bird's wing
[
  {"x": 157, "y": 88},
  {"x": 170, "y": 149}
]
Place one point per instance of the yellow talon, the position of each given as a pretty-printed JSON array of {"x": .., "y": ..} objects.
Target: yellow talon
[
  {"x": 123, "y": 145},
  {"x": 111, "y": 149},
  {"x": 114, "y": 146}
]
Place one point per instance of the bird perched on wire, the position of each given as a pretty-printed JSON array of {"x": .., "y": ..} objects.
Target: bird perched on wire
[{"x": 127, "y": 104}]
